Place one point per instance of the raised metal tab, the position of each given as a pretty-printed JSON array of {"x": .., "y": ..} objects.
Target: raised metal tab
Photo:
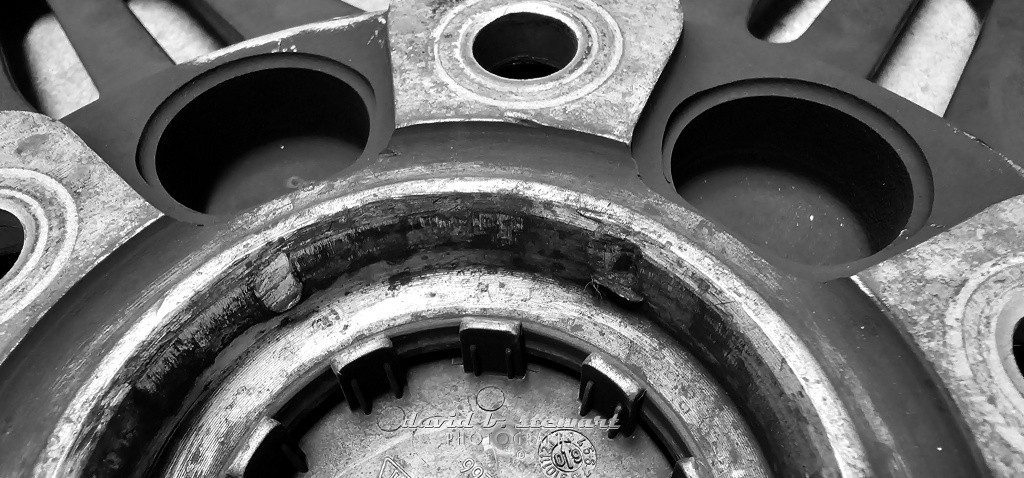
[
  {"x": 494, "y": 346},
  {"x": 611, "y": 391},
  {"x": 268, "y": 450},
  {"x": 367, "y": 370}
]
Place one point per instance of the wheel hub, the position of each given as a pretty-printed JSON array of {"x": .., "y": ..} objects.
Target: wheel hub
[{"x": 489, "y": 239}]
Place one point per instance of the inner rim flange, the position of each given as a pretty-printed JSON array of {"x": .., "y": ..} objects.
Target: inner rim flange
[
  {"x": 290, "y": 353},
  {"x": 503, "y": 223}
]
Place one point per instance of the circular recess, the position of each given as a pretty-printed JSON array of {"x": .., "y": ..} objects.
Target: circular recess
[
  {"x": 524, "y": 46},
  {"x": 993, "y": 318},
  {"x": 803, "y": 181},
  {"x": 259, "y": 135},
  {"x": 12, "y": 241},
  {"x": 526, "y": 54}
]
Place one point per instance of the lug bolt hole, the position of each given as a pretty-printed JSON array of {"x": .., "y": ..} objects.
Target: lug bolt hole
[
  {"x": 525, "y": 46},
  {"x": 12, "y": 241}
]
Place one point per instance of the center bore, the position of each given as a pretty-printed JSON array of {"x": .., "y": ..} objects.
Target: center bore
[
  {"x": 479, "y": 403},
  {"x": 450, "y": 423},
  {"x": 524, "y": 46}
]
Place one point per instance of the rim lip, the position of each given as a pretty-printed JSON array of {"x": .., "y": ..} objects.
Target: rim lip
[
  {"x": 773, "y": 341},
  {"x": 902, "y": 144},
  {"x": 164, "y": 115}
]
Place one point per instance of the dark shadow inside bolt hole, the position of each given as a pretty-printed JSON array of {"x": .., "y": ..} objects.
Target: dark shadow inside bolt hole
[
  {"x": 259, "y": 136},
  {"x": 1017, "y": 345},
  {"x": 523, "y": 46},
  {"x": 800, "y": 180},
  {"x": 12, "y": 241}
]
